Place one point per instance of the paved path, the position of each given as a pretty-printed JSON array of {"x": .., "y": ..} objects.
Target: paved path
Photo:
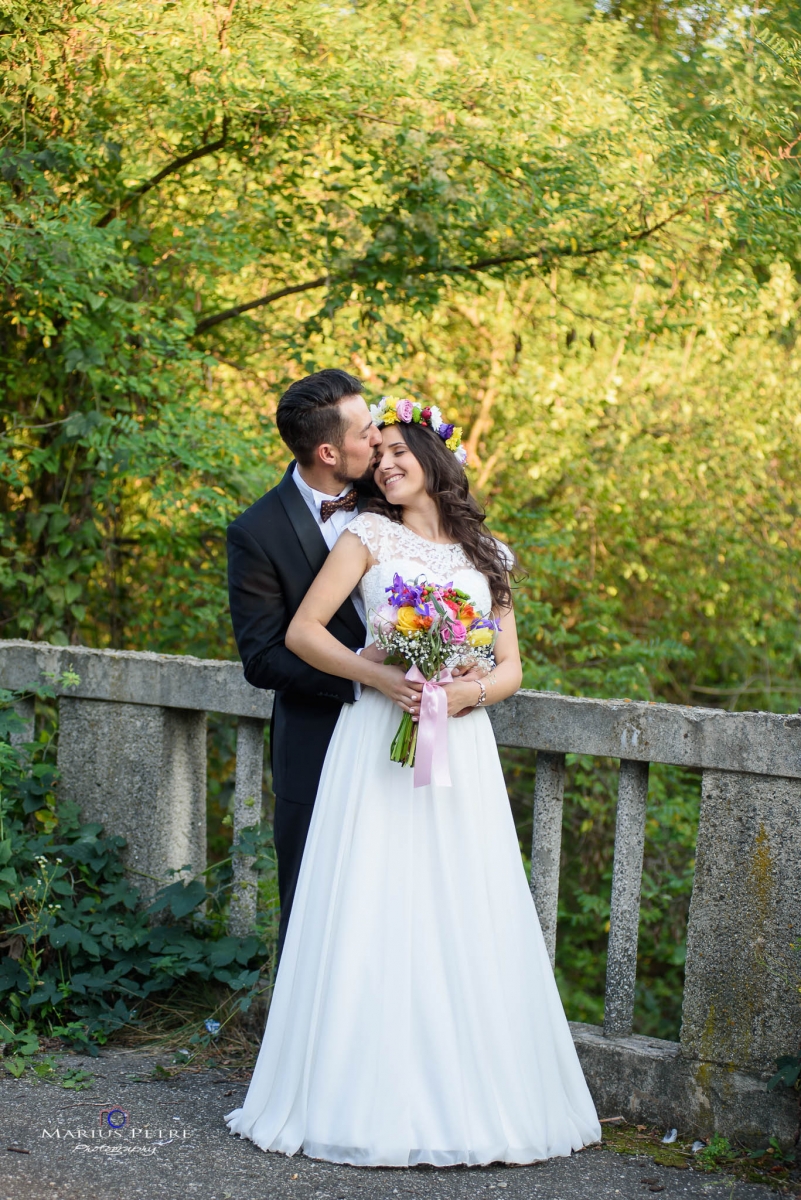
[{"x": 183, "y": 1149}]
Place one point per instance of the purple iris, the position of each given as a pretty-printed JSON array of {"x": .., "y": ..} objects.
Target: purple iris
[
  {"x": 402, "y": 594},
  {"x": 486, "y": 623}
]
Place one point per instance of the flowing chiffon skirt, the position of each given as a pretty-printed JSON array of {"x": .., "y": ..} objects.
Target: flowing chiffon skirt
[{"x": 415, "y": 1017}]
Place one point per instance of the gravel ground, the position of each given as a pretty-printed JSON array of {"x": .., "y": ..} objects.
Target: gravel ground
[{"x": 175, "y": 1145}]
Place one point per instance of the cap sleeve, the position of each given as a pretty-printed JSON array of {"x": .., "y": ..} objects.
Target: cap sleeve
[{"x": 367, "y": 528}]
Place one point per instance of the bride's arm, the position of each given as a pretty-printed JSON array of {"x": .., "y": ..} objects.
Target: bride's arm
[
  {"x": 308, "y": 637},
  {"x": 502, "y": 681}
]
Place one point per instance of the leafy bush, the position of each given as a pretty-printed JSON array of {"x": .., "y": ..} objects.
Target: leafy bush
[{"x": 81, "y": 948}]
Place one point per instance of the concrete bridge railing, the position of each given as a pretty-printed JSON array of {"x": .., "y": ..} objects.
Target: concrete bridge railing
[{"x": 132, "y": 753}]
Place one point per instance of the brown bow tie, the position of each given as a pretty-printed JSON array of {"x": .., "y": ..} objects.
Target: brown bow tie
[{"x": 343, "y": 504}]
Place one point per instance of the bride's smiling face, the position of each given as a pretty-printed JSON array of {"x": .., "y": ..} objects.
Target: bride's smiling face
[{"x": 398, "y": 474}]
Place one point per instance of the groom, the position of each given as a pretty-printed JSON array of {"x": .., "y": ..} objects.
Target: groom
[{"x": 275, "y": 549}]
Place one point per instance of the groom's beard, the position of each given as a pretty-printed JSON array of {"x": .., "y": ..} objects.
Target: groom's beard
[{"x": 362, "y": 483}]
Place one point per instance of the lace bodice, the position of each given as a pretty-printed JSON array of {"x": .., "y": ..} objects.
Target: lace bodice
[{"x": 396, "y": 549}]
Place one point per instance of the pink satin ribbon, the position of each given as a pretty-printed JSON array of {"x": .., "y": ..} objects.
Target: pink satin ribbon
[{"x": 431, "y": 756}]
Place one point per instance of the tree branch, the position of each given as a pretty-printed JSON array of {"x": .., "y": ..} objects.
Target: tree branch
[
  {"x": 238, "y": 309},
  {"x": 170, "y": 169},
  {"x": 480, "y": 264}
]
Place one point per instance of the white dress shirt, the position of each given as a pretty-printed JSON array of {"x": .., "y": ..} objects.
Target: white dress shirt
[{"x": 336, "y": 524}]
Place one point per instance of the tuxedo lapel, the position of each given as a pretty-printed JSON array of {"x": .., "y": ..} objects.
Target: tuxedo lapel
[
  {"x": 304, "y": 524},
  {"x": 313, "y": 543}
]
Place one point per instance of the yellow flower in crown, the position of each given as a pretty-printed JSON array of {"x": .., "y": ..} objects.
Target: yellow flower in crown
[
  {"x": 455, "y": 440},
  {"x": 393, "y": 410},
  {"x": 407, "y": 620},
  {"x": 480, "y": 637}
]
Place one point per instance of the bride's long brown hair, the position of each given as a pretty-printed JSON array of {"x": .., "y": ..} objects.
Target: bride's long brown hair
[{"x": 462, "y": 518}]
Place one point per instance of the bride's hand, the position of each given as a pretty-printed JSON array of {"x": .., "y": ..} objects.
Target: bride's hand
[
  {"x": 400, "y": 690},
  {"x": 462, "y": 696}
]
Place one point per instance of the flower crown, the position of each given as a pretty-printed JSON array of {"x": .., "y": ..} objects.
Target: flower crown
[{"x": 390, "y": 410}]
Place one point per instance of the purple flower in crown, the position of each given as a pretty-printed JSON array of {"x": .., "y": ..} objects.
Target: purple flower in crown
[
  {"x": 404, "y": 410},
  {"x": 445, "y": 431}
]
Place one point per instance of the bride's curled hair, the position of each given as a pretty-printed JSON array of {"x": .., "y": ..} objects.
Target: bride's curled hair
[{"x": 462, "y": 518}]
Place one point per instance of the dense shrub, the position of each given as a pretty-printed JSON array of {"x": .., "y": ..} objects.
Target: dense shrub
[{"x": 81, "y": 949}]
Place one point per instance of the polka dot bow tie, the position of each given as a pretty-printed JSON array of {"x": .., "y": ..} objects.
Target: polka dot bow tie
[{"x": 343, "y": 504}]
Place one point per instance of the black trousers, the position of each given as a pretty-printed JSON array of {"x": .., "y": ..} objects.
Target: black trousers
[{"x": 290, "y": 827}]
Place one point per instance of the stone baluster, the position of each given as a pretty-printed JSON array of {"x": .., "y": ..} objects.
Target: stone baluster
[
  {"x": 247, "y": 812},
  {"x": 140, "y": 770},
  {"x": 624, "y": 914},
  {"x": 546, "y": 842}
]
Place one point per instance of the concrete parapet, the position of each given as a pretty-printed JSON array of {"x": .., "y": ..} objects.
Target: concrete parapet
[
  {"x": 139, "y": 770},
  {"x": 26, "y": 711},
  {"x": 138, "y": 677},
  {"x": 741, "y": 1000},
  {"x": 761, "y": 743},
  {"x": 649, "y": 1080},
  {"x": 132, "y": 754}
]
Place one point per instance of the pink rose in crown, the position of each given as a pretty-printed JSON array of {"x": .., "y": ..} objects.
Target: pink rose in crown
[{"x": 405, "y": 411}]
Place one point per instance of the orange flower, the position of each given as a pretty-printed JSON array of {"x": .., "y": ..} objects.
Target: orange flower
[{"x": 467, "y": 614}]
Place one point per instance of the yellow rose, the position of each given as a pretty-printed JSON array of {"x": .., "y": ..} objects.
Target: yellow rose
[
  {"x": 480, "y": 637},
  {"x": 407, "y": 620},
  {"x": 455, "y": 438}
]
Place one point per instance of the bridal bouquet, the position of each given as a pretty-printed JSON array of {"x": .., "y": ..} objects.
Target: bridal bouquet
[{"x": 429, "y": 629}]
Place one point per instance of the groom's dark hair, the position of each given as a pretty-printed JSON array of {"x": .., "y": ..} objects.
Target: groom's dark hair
[{"x": 308, "y": 412}]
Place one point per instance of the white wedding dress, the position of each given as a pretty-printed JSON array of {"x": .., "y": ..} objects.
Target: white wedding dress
[{"x": 415, "y": 1017}]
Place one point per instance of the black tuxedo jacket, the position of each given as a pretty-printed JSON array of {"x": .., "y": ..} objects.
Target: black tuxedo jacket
[{"x": 275, "y": 549}]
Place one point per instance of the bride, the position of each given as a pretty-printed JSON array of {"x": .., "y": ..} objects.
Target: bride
[{"x": 415, "y": 1017}]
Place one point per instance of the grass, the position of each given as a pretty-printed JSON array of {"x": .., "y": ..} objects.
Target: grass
[
  {"x": 176, "y": 1024},
  {"x": 772, "y": 1166}
]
